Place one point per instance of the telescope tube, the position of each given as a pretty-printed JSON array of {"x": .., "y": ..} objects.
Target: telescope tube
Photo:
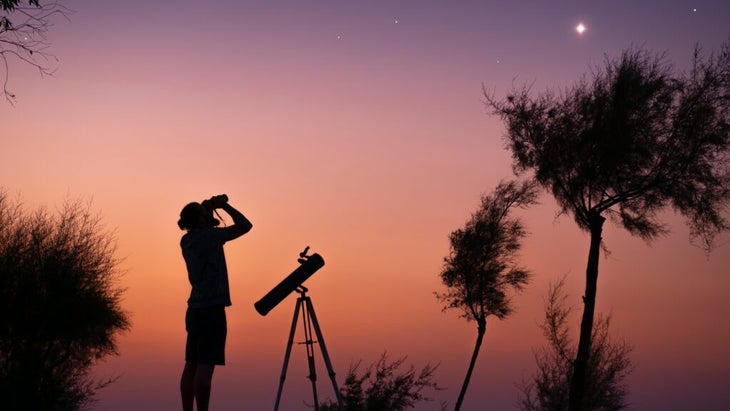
[{"x": 289, "y": 284}]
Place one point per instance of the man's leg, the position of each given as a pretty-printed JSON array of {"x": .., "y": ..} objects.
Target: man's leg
[
  {"x": 187, "y": 390},
  {"x": 202, "y": 384}
]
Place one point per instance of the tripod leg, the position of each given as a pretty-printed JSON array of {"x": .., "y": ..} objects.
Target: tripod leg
[
  {"x": 310, "y": 308},
  {"x": 310, "y": 350},
  {"x": 288, "y": 352}
]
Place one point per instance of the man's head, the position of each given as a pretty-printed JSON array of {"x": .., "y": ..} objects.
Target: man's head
[{"x": 195, "y": 215}]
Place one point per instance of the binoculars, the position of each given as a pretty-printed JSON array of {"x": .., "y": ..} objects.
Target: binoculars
[{"x": 215, "y": 202}]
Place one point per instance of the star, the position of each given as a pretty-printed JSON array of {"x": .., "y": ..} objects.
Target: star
[{"x": 580, "y": 28}]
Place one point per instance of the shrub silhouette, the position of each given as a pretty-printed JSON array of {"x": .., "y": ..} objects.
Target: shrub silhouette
[
  {"x": 59, "y": 306},
  {"x": 384, "y": 386},
  {"x": 608, "y": 367}
]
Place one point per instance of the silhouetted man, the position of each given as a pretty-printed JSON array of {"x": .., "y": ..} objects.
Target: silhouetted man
[{"x": 205, "y": 319}]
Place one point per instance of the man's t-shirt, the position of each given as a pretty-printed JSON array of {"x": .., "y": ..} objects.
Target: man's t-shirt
[{"x": 202, "y": 249}]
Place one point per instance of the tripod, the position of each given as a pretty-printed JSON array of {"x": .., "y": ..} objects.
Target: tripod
[{"x": 309, "y": 320}]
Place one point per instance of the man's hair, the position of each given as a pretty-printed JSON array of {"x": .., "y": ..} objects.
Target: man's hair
[{"x": 190, "y": 215}]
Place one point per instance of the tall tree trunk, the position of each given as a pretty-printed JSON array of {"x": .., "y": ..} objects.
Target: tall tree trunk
[
  {"x": 481, "y": 329},
  {"x": 578, "y": 382}
]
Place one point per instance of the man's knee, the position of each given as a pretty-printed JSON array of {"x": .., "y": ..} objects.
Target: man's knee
[{"x": 203, "y": 377}]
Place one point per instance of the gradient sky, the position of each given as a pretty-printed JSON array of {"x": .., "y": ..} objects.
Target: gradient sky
[{"x": 358, "y": 128}]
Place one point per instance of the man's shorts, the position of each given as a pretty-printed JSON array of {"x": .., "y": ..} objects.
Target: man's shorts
[{"x": 206, "y": 343}]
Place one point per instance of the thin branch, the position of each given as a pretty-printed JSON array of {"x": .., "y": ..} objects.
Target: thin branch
[{"x": 23, "y": 37}]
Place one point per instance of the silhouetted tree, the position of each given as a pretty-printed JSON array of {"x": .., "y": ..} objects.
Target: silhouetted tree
[
  {"x": 59, "y": 306},
  {"x": 23, "y": 29},
  {"x": 383, "y": 386},
  {"x": 637, "y": 139},
  {"x": 608, "y": 365},
  {"x": 482, "y": 268}
]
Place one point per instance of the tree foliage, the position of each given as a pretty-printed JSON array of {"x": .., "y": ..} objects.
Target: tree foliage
[
  {"x": 59, "y": 306},
  {"x": 385, "y": 386},
  {"x": 481, "y": 269},
  {"x": 635, "y": 139},
  {"x": 23, "y": 36},
  {"x": 482, "y": 265},
  {"x": 608, "y": 367}
]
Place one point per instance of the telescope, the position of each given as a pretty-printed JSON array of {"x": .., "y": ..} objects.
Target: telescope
[{"x": 309, "y": 264}]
